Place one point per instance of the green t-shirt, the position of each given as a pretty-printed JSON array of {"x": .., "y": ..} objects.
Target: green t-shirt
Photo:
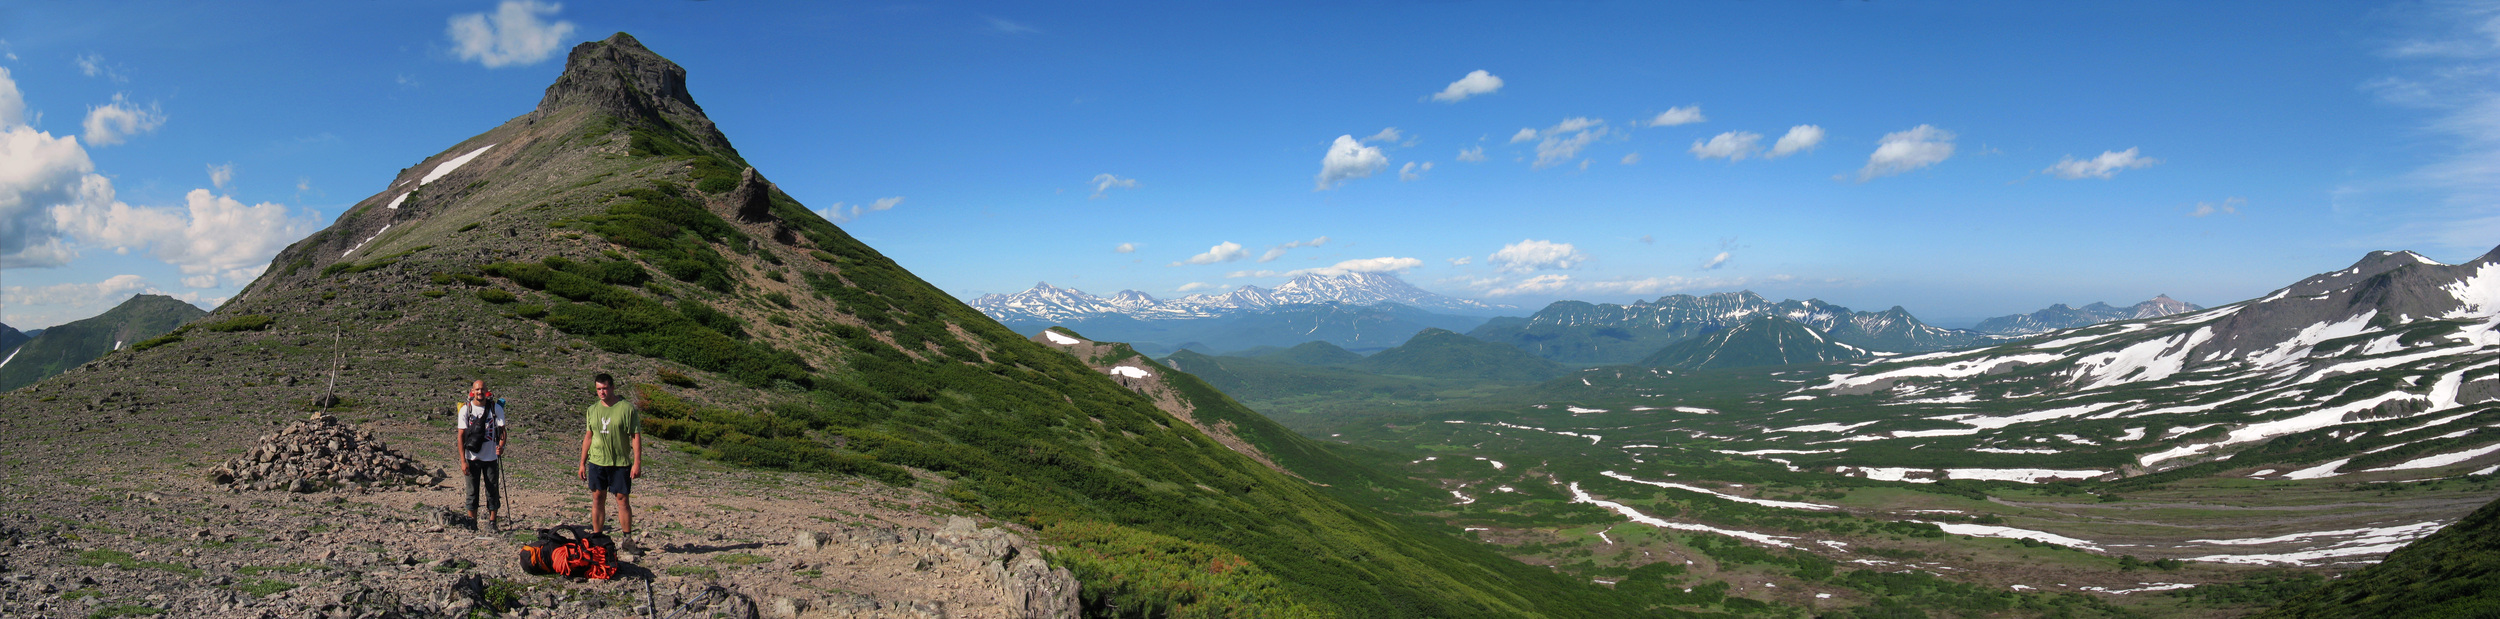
[{"x": 612, "y": 429}]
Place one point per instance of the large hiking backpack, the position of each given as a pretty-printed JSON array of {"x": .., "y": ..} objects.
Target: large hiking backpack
[
  {"x": 479, "y": 434},
  {"x": 566, "y": 551}
]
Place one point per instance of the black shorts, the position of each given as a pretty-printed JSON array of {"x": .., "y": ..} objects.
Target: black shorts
[{"x": 617, "y": 480}]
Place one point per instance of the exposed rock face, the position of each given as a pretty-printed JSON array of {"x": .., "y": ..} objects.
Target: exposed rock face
[
  {"x": 1007, "y": 565},
  {"x": 319, "y": 454},
  {"x": 621, "y": 77},
  {"x": 753, "y": 198}
]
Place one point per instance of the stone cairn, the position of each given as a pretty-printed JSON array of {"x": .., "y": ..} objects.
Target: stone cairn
[{"x": 318, "y": 454}]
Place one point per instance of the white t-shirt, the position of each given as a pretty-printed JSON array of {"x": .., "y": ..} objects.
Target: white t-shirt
[{"x": 491, "y": 450}]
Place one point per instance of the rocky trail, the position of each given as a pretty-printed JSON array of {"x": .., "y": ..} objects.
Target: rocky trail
[{"x": 202, "y": 520}]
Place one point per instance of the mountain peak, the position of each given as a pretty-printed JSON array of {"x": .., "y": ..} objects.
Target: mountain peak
[{"x": 620, "y": 77}]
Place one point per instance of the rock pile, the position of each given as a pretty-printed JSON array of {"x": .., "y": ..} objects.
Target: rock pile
[{"x": 321, "y": 453}]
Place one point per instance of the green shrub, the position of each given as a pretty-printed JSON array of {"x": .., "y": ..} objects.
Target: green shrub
[
  {"x": 250, "y": 322},
  {"x": 153, "y": 342},
  {"x": 495, "y": 295}
]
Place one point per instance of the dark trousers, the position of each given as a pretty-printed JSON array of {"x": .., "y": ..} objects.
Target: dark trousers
[{"x": 488, "y": 475}]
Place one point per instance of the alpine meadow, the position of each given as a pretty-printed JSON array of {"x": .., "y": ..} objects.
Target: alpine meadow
[{"x": 1550, "y": 367}]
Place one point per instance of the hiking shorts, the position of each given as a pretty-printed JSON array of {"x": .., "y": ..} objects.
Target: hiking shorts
[{"x": 618, "y": 480}]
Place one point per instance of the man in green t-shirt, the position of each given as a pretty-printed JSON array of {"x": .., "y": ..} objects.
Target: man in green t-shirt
[{"x": 611, "y": 454}]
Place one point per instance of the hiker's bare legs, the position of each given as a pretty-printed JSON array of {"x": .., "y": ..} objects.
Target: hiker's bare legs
[
  {"x": 599, "y": 510},
  {"x": 625, "y": 512}
]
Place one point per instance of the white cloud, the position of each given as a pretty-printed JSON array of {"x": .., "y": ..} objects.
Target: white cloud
[
  {"x": 1389, "y": 135},
  {"x": 1662, "y": 285},
  {"x": 1732, "y": 146},
  {"x": 1473, "y": 155},
  {"x": 2228, "y": 206},
  {"x": 1009, "y": 27},
  {"x": 1563, "y": 141},
  {"x": 1197, "y": 286},
  {"x": 1412, "y": 170},
  {"x": 1648, "y": 239},
  {"x": 1524, "y": 134},
  {"x": 209, "y": 234},
  {"x": 1678, "y": 116},
  {"x": 1383, "y": 264},
  {"x": 1800, "y": 139},
  {"x": 1715, "y": 262},
  {"x": 842, "y": 212},
  {"x": 1279, "y": 251},
  {"x": 1227, "y": 251},
  {"x": 1462, "y": 261},
  {"x": 1531, "y": 255},
  {"x": 1475, "y": 83},
  {"x": 1347, "y": 160},
  {"x": 513, "y": 35},
  {"x": 1631, "y": 159},
  {"x": 1550, "y": 282},
  {"x": 114, "y": 122},
  {"x": 2104, "y": 166},
  {"x": 885, "y": 203},
  {"x": 1104, "y": 182},
  {"x": 220, "y": 176},
  {"x": 93, "y": 65},
  {"x": 200, "y": 281},
  {"x": 12, "y": 103},
  {"x": 58, "y": 303},
  {"x": 1903, "y": 151},
  {"x": 1125, "y": 248}
]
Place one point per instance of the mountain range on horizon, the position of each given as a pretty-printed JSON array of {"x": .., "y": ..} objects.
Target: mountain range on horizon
[
  {"x": 1047, "y": 303},
  {"x": 2060, "y": 316}
]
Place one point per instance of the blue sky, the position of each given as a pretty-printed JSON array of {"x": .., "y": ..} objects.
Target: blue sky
[{"x": 1959, "y": 159}]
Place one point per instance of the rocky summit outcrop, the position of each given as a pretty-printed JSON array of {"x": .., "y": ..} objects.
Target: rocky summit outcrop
[
  {"x": 319, "y": 454},
  {"x": 1006, "y": 566},
  {"x": 622, "y": 78}
]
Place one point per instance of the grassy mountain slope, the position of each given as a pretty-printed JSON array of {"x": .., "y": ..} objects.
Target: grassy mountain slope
[
  {"x": 66, "y": 346},
  {"x": 613, "y": 229},
  {"x": 10, "y": 337},
  {"x": 1445, "y": 354},
  {"x": 2452, "y": 573},
  {"x": 1313, "y": 353}
]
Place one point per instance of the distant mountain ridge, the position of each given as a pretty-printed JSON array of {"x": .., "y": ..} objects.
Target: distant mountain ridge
[
  {"x": 66, "y": 346},
  {"x": 1601, "y": 333},
  {"x": 2060, "y": 317},
  {"x": 1047, "y": 303},
  {"x": 1769, "y": 339}
]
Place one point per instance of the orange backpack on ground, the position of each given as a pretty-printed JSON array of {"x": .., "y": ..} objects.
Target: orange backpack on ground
[{"x": 565, "y": 551}]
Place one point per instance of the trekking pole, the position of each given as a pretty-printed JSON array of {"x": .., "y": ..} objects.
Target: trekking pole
[{"x": 337, "y": 356}]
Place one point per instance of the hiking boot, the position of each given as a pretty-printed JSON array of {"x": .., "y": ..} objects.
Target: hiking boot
[{"x": 489, "y": 524}]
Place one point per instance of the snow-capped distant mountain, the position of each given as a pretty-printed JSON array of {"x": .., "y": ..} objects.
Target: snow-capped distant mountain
[
  {"x": 2322, "y": 362},
  {"x": 2059, "y": 317},
  {"x": 1046, "y": 303}
]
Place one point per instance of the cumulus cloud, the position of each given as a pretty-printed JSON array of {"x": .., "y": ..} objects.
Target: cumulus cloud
[
  {"x": 12, "y": 104},
  {"x": 1388, "y": 136},
  {"x": 1462, "y": 261},
  {"x": 93, "y": 65},
  {"x": 1631, "y": 159},
  {"x": 1524, "y": 134},
  {"x": 1383, "y": 264},
  {"x": 1800, "y": 139},
  {"x": 1475, "y": 83},
  {"x": 1677, "y": 116},
  {"x": 2104, "y": 166},
  {"x": 1550, "y": 282},
  {"x": 50, "y": 305},
  {"x": 1732, "y": 146},
  {"x": 842, "y": 212},
  {"x": 1348, "y": 159},
  {"x": 1903, "y": 151},
  {"x": 1715, "y": 262},
  {"x": 1562, "y": 142},
  {"x": 1531, "y": 255},
  {"x": 112, "y": 123},
  {"x": 1104, "y": 182},
  {"x": 1197, "y": 286},
  {"x": 1472, "y": 155},
  {"x": 2228, "y": 206},
  {"x": 514, "y": 34},
  {"x": 220, "y": 176},
  {"x": 1227, "y": 251},
  {"x": 1412, "y": 170},
  {"x": 209, "y": 235},
  {"x": 1125, "y": 248}
]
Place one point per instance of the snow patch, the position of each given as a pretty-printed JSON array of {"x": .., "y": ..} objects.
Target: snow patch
[
  {"x": 454, "y": 164},
  {"x": 2321, "y": 471},
  {"x": 2441, "y": 459},
  {"x": 1715, "y": 493},
  {"x": 1131, "y": 372},
  {"x": 1062, "y": 340},
  {"x": 2357, "y": 542},
  {"x": 1582, "y": 496},
  {"x": 1826, "y": 427},
  {"x": 1982, "y": 530}
]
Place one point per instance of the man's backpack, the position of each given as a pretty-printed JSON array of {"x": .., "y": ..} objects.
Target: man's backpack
[
  {"x": 566, "y": 551},
  {"x": 483, "y": 430}
]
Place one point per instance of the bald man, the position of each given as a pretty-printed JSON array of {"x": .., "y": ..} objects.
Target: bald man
[{"x": 480, "y": 423}]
